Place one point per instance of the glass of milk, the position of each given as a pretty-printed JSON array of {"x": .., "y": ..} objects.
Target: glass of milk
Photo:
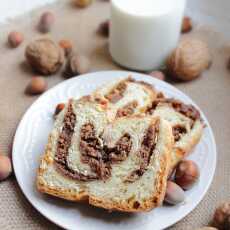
[{"x": 144, "y": 32}]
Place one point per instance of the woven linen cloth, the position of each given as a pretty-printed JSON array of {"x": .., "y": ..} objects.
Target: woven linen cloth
[{"x": 211, "y": 92}]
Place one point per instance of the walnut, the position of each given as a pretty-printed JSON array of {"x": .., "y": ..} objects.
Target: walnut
[
  {"x": 221, "y": 219},
  {"x": 44, "y": 56},
  {"x": 189, "y": 59}
]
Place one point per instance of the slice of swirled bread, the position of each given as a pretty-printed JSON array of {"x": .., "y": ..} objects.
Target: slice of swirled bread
[
  {"x": 186, "y": 124},
  {"x": 120, "y": 165},
  {"x": 127, "y": 96}
]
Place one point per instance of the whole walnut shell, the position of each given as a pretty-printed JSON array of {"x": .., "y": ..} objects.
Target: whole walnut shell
[
  {"x": 189, "y": 59},
  {"x": 44, "y": 56},
  {"x": 221, "y": 219}
]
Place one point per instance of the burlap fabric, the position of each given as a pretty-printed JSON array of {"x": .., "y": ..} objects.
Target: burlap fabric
[{"x": 211, "y": 92}]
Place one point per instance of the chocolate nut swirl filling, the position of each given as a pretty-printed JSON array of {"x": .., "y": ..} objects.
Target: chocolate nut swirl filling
[
  {"x": 178, "y": 131},
  {"x": 116, "y": 93},
  {"x": 145, "y": 153},
  {"x": 187, "y": 110},
  {"x": 93, "y": 152},
  {"x": 127, "y": 110},
  {"x": 63, "y": 144}
]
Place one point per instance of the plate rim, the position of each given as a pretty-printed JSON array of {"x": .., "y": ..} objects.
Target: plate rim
[{"x": 125, "y": 73}]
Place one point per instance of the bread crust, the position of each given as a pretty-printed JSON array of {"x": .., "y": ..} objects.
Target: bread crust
[{"x": 154, "y": 201}]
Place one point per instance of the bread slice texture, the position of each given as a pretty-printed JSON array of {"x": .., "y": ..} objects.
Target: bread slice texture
[
  {"x": 126, "y": 171},
  {"x": 127, "y": 96},
  {"x": 186, "y": 124}
]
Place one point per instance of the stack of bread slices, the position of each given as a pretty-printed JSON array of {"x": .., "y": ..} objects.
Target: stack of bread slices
[{"x": 116, "y": 148}]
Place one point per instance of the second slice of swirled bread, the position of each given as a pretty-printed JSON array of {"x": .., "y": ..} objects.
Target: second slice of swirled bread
[
  {"x": 186, "y": 124},
  {"x": 120, "y": 165},
  {"x": 128, "y": 97}
]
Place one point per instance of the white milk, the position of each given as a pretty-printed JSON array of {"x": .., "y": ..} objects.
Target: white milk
[{"x": 144, "y": 32}]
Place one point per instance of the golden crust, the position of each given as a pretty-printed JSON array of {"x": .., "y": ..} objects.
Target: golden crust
[{"x": 124, "y": 206}]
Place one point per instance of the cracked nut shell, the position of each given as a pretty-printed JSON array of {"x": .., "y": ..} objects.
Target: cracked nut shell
[{"x": 77, "y": 64}]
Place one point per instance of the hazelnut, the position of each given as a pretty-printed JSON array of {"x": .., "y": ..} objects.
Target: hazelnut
[
  {"x": 221, "y": 219},
  {"x": 186, "y": 25},
  {"x": 104, "y": 28},
  {"x": 67, "y": 46},
  {"x": 15, "y": 38},
  {"x": 5, "y": 167},
  {"x": 77, "y": 64},
  {"x": 188, "y": 60},
  {"x": 44, "y": 56},
  {"x": 187, "y": 174},
  {"x": 36, "y": 86},
  {"x": 46, "y": 21},
  {"x": 59, "y": 108},
  {"x": 174, "y": 194},
  {"x": 158, "y": 74},
  {"x": 83, "y": 3}
]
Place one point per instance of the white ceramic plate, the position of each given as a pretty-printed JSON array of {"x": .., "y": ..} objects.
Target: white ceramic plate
[{"x": 31, "y": 138}]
